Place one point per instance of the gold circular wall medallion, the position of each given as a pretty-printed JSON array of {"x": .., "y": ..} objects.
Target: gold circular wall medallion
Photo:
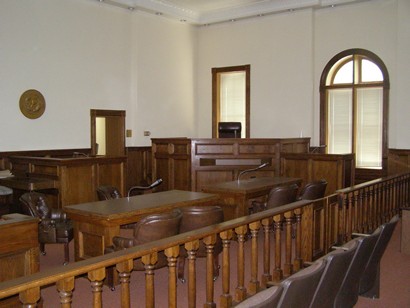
[{"x": 32, "y": 104}]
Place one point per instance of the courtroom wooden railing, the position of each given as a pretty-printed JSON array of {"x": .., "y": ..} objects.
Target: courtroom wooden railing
[{"x": 303, "y": 231}]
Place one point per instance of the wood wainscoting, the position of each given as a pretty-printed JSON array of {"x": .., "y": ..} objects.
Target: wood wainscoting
[{"x": 190, "y": 164}]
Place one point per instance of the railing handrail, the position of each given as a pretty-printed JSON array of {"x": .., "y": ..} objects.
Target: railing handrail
[
  {"x": 370, "y": 183},
  {"x": 53, "y": 275}
]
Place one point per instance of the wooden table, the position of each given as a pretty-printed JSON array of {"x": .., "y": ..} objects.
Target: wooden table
[
  {"x": 96, "y": 223},
  {"x": 28, "y": 183},
  {"x": 235, "y": 195}
]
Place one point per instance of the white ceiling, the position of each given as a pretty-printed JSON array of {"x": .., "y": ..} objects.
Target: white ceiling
[{"x": 201, "y": 12}]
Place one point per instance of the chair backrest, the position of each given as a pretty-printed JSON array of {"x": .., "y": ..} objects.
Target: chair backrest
[
  {"x": 35, "y": 204},
  {"x": 282, "y": 195},
  {"x": 299, "y": 288},
  {"x": 196, "y": 217},
  {"x": 349, "y": 290},
  {"x": 267, "y": 298},
  {"x": 157, "y": 226},
  {"x": 370, "y": 273},
  {"x": 108, "y": 192},
  {"x": 337, "y": 263},
  {"x": 229, "y": 129},
  {"x": 313, "y": 190}
]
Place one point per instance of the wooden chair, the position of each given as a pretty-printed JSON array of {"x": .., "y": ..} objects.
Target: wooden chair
[
  {"x": 54, "y": 226},
  {"x": 196, "y": 217}
]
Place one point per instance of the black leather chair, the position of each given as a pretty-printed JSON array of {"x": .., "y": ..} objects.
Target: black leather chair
[
  {"x": 278, "y": 196},
  {"x": 348, "y": 293},
  {"x": 229, "y": 129},
  {"x": 337, "y": 263},
  {"x": 298, "y": 290},
  {"x": 369, "y": 285},
  {"x": 196, "y": 217},
  {"x": 313, "y": 190},
  {"x": 150, "y": 228},
  {"x": 54, "y": 226}
]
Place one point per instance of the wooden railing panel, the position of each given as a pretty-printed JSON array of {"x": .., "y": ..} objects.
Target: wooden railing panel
[{"x": 300, "y": 230}]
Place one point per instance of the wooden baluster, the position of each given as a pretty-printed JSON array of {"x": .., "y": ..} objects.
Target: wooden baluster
[
  {"x": 298, "y": 262},
  {"x": 149, "y": 262},
  {"x": 266, "y": 276},
  {"x": 371, "y": 208},
  {"x": 96, "y": 277},
  {"x": 366, "y": 197},
  {"x": 124, "y": 275},
  {"x": 226, "y": 297},
  {"x": 191, "y": 248},
  {"x": 277, "y": 273},
  {"x": 210, "y": 244},
  {"x": 356, "y": 212},
  {"x": 350, "y": 217},
  {"x": 288, "y": 266},
  {"x": 342, "y": 221},
  {"x": 172, "y": 254},
  {"x": 240, "y": 293},
  {"x": 29, "y": 298},
  {"x": 65, "y": 290},
  {"x": 254, "y": 282}
]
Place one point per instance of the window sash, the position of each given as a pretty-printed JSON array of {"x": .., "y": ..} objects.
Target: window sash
[
  {"x": 340, "y": 134},
  {"x": 369, "y": 123}
]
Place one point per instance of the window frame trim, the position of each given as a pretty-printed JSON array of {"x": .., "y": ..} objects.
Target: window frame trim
[
  {"x": 215, "y": 91},
  {"x": 386, "y": 89}
]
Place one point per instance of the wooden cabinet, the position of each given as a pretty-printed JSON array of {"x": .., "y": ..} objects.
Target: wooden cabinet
[
  {"x": 76, "y": 179},
  {"x": 19, "y": 250},
  {"x": 337, "y": 169},
  {"x": 190, "y": 164}
]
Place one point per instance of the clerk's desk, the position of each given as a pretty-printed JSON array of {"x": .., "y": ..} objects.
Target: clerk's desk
[
  {"x": 235, "y": 195},
  {"x": 96, "y": 223}
]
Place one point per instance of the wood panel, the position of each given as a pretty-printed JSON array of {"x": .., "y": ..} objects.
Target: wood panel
[
  {"x": 338, "y": 170},
  {"x": 19, "y": 252},
  {"x": 190, "y": 164},
  {"x": 76, "y": 179},
  {"x": 398, "y": 161},
  {"x": 139, "y": 166}
]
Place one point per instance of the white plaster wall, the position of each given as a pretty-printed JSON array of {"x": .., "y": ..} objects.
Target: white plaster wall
[
  {"x": 83, "y": 54},
  {"x": 278, "y": 48},
  {"x": 373, "y": 26},
  {"x": 76, "y": 53},
  {"x": 288, "y": 52},
  {"x": 401, "y": 112},
  {"x": 163, "y": 79}
]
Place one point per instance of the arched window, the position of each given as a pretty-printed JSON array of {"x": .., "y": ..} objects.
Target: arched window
[{"x": 354, "y": 91}]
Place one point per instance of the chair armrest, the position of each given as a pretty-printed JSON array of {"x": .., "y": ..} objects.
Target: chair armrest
[
  {"x": 120, "y": 242},
  {"x": 360, "y": 234},
  {"x": 258, "y": 206},
  {"x": 58, "y": 214}
]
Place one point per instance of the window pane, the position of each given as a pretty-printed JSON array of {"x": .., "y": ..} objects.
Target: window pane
[
  {"x": 369, "y": 128},
  {"x": 371, "y": 72},
  {"x": 233, "y": 98},
  {"x": 340, "y": 121},
  {"x": 345, "y": 73}
]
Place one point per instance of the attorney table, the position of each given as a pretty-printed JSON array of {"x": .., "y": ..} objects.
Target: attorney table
[
  {"x": 96, "y": 223},
  {"x": 236, "y": 195}
]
